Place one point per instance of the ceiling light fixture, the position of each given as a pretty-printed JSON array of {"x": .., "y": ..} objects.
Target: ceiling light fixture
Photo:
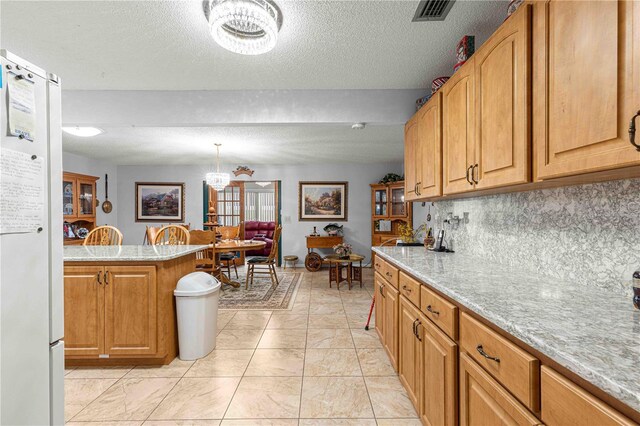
[
  {"x": 84, "y": 132},
  {"x": 217, "y": 180},
  {"x": 248, "y": 27},
  {"x": 358, "y": 126}
]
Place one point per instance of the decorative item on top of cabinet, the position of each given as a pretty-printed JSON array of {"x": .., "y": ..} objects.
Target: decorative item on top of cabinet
[
  {"x": 78, "y": 203},
  {"x": 585, "y": 80}
]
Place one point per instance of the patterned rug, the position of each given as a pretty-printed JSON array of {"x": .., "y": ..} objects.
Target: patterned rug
[{"x": 262, "y": 295}]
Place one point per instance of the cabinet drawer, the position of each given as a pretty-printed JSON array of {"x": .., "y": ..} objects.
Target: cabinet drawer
[
  {"x": 409, "y": 288},
  {"x": 517, "y": 370},
  {"x": 391, "y": 274},
  {"x": 378, "y": 265},
  {"x": 564, "y": 403},
  {"x": 440, "y": 311},
  {"x": 484, "y": 402}
]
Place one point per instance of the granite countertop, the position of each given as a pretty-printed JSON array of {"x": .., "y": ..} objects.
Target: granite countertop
[
  {"x": 592, "y": 332},
  {"x": 126, "y": 253}
]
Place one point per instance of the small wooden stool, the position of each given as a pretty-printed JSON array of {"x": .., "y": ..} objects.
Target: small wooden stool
[{"x": 292, "y": 259}]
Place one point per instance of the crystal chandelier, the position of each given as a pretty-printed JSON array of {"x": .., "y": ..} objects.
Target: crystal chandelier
[
  {"x": 248, "y": 27},
  {"x": 217, "y": 180}
]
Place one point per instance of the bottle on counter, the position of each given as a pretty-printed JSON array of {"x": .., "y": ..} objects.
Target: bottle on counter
[{"x": 636, "y": 289}]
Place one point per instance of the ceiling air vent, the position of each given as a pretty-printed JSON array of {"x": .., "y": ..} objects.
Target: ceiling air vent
[{"x": 433, "y": 10}]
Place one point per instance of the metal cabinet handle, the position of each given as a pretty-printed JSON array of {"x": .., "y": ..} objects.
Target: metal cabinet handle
[
  {"x": 404, "y": 287},
  {"x": 475, "y": 168},
  {"x": 632, "y": 131},
  {"x": 468, "y": 178},
  {"x": 418, "y": 188},
  {"x": 430, "y": 309},
  {"x": 417, "y": 332},
  {"x": 382, "y": 291},
  {"x": 486, "y": 355},
  {"x": 106, "y": 277},
  {"x": 99, "y": 277}
]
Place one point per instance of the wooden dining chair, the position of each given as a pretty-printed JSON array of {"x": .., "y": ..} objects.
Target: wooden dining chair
[
  {"x": 229, "y": 259},
  {"x": 205, "y": 259},
  {"x": 266, "y": 265},
  {"x": 104, "y": 236},
  {"x": 150, "y": 234},
  {"x": 172, "y": 235}
]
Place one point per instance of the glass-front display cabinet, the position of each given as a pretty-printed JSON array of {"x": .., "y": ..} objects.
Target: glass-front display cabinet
[{"x": 79, "y": 203}]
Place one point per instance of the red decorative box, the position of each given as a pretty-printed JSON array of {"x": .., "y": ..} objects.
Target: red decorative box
[{"x": 437, "y": 83}]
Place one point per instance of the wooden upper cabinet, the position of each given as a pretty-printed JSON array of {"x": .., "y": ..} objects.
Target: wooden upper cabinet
[
  {"x": 410, "y": 172},
  {"x": 585, "y": 85},
  {"x": 131, "y": 310},
  {"x": 458, "y": 130},
  {"x": 429, "y": 164},
  {"x": 84, "y": 310},
  {"x": 502, "y": 81}
]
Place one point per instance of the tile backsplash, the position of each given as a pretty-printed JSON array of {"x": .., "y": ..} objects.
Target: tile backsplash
[{"x": 589, "y": 234}]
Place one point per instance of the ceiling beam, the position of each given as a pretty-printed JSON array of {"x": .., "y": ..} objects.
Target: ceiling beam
[{"x": 236, "y": 107}]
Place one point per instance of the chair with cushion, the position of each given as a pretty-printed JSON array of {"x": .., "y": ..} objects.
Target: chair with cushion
[
  {"x": 205, "y": 259},
  {"x": 259, "y": 231},
  {"x": 228, "y": 259},
  {"x": 172, "y": 235},
  {"x": 103, "y": 236},
  {"x": 266, "y": 265}
]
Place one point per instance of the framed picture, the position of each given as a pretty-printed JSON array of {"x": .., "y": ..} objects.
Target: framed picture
[
  {"x": 159, "y": 202},
  {"x": 322, "y": 201}
]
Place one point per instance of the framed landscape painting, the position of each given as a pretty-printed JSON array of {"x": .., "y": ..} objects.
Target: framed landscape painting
[
  {"x": 322, "y": 201},
  {"x": 159, "y": 202}
]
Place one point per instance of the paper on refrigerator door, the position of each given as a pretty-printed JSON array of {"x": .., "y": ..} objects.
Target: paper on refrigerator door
[
  {"x": 22, "y": 108},
  {"x": 22, "y": 183}
]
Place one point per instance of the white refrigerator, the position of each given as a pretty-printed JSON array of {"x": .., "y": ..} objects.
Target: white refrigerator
[{"x": 31, "y": 275}]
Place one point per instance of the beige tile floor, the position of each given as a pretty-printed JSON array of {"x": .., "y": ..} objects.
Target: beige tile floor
[{"x": 311, "y": 365}]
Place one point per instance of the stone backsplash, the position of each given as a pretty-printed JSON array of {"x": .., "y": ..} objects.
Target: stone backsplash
[{"x": 589, "y": 234}]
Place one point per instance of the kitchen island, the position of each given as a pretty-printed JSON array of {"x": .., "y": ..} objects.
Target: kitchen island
[
  {"x": 537, "y": 347},
  {"x": 119, "y": 307}
]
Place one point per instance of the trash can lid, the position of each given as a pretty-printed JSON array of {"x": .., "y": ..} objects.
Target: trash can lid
[{"x": 196, "y": 284}]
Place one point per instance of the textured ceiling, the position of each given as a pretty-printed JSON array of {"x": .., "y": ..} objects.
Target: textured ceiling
[
  {"x": 291, "y": 144},
  {"x": 165, "y": 45}
]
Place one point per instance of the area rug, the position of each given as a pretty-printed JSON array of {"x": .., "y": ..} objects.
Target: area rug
[{"x": 262, "y": 295}]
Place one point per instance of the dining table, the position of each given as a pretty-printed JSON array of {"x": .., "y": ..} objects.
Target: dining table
[{"x": 227, "y": 246}]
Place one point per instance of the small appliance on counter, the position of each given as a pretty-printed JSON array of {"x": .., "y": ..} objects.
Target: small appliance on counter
[
  {"x": 439, "y": 246},
  {"x": 636, "y": 289}
]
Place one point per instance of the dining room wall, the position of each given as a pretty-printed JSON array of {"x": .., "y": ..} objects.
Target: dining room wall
[
  {"x": 92, "y": 167},
  {"x": 357, "y": 228}
]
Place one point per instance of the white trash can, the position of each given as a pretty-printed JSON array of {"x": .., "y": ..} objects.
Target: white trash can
[{"x": 197, "y": 297}]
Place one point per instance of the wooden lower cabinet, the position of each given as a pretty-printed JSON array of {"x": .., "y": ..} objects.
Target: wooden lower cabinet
[
  {"x": 131, "y": 310},
  {"x": 483, "y": 401},
  {"x": 378, "y": 284},
  {"x": 566, "y": 404},
  {"x": 439, "y": 373},
  {"x": 410, "y": 351},
  {"x": 110, "y": 310},
  {"x": 84, "y": 310},
  {"x": 391, "y": 307}
]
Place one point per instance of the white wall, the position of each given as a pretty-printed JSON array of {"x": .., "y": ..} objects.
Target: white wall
[
  {"x": 357, "y": 228},
  {"x": 89, "y": 166}
]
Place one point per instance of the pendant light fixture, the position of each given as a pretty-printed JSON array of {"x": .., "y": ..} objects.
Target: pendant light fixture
[
  {"x": 247, "y": 27},
  {"x": 217, "y": 180}
]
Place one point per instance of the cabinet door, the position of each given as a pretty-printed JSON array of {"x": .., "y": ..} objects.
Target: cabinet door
[
  {"x": 502, "y": 79},
  {"x": 409, "y": 351},
  {"x": 379, "y": 305},
  {"x": 410, "y": 135},
  {"x": 379, "y": 202},
  {"x": 484, "y": 402},
  {"x": 458, "y": 129},
  {"x": 397, "y": 205},
  {"x": 586, "y": 83},
  {"x": 83, "y": 310},
  {"x": 69, "y": 198},
  {"x": 429, "y": 166},
  {"x": 439, "y": 391},
  {"x": 131, "y": 310},
  {"x": 391, "y": 306},
  {"x": 86, "y": 198}
]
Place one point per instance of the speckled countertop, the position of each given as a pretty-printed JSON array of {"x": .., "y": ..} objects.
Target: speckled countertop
[
  {"x": 593, "y": 332},
  {"x": 126, "y": 253}
]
